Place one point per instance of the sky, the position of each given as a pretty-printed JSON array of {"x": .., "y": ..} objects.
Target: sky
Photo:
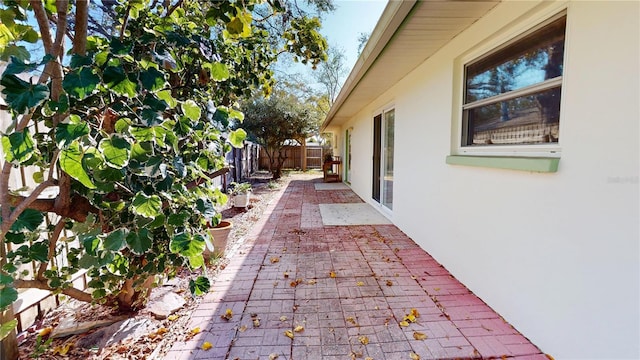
[
  {"x": 351, "y": 17},
  {"x": 341, "y": 28}
]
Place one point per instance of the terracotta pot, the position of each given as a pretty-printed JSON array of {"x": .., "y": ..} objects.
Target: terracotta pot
[{"x": 220, "y": 236}]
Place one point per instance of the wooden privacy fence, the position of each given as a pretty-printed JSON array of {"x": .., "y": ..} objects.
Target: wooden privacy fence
[{"x": 314, "y": 155}]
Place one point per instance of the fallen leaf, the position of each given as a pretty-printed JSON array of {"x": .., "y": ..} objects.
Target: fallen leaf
[
  {"x": 415, "y": 312},
  {"x": 436, "y": 289},
  {"x": 360, "y": 283},
  {"x": 332, "y": 274},
  {"x": 63, "y": 349},
  {"x": 312, "y": 282},
  {"x": 298, "y": 328},
  {"x": 283, "y": 318},
  {"x": 206, "y": 346},
  {"x": 173, "y": 317},
  {"x": 256, "y": 322},
  {"x": 162, "y": 331},
  {"x": 46, "y": 331},
  {"x": 414, "y": 356},
  {"x": 403, "y": 323},
  {"x": 368, "y": 358},
  {"x": 243, "y": 328},
  {"x": 363, "y": 340},
  {"x": 389, "y": 283},
  {"x": 286, "y": 275},
  {"x": 195, "y": 331},
  {"x": 228, "y": 314},
  {"x": 419, "y": 336},
  {"x": 410, "y": 318},
  {"x": 350, "y": 319},
  {"x": 275, "y": 259},
  {"x": 289, "y": 334},
  {"x": 413, "y": 277},
  {"x": 296, "y": 283},
  {"x": 273, "y": 356}
]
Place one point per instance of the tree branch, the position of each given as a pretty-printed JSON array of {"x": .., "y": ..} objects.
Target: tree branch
[
  {"x": 53, "y": 241},
  {"x": 42, "y": 284}
]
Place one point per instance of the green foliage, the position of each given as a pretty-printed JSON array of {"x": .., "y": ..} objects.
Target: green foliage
[{"x": 134, "y": 125}]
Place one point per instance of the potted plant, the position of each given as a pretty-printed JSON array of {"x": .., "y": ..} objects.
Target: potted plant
[
  {"x": 240, "y": 192},
  {"x": 219, "y": 236}
]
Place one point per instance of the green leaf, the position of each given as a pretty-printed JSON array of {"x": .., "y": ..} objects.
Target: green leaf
[
  {"x": 196, "y": 261},
  {"x": 28, "y": 220},
  {"x": 116, "y": 240},
  {"x": 206, "y": 208},
  {"x": 80, "y": 83},
  {"x": 71, "y": 163},
  {"x": 187, "y": 245},
  {"x": 17, "y": 66},
  {"x": 87, "y": 261},
  {"x": 219, "y": 71},
  {"x": 116, "y": 79},
  {"x": 15, "y": 238},
  {"x": 7, "y": 328},
  {"x": 152, "y": 79},
  {"x": 38, "y": 177},
  {"x": 39, "y": 251},
  {"x": 116, "y": 151},
  {"x": 191, "y": 110},
  {"x": 147, "y": 206},
  {"x": 7, "y": 296},
  {"x": 179, "y": 219},
  {"x": 5, "y": 279},
  {"x": 237, "y": 137},
  {"x": 18, "y": 147},
  {"x": 79, "y": 60},
  {"x": 139, "y": 242},
  {"x": 166, "y": 96},
  {"x": 19, "y": 52},
  {"x": 66, "y": 133},
  {"x": 199, "y": 286}
]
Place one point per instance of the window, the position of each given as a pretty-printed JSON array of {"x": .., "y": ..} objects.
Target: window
[{"x": 512, "y": 95}]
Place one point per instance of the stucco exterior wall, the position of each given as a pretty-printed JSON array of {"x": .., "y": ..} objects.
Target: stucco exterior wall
[{"x": 556, "y": 254}]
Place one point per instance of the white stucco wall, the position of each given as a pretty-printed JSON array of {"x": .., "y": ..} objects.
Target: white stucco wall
[{"x": 556, "y": 254}]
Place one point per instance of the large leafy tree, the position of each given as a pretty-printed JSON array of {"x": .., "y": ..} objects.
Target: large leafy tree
[
  {"x": 124, "y": 129},
  {"x": 278, "y": 120}
]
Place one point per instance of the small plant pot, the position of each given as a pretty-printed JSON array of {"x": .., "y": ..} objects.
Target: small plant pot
[
  {"x": 220, "y": 235},
  {"x": 241, "y": 200}
]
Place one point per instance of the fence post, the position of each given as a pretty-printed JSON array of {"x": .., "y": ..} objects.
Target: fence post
[
  {"x": 9, "y": 345},
  {"x": 303, "y": 155}
]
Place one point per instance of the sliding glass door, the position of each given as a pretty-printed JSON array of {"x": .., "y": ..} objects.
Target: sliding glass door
[{"x": 383, "y": 145}]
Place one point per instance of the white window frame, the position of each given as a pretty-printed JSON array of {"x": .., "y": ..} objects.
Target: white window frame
[{"x": 516, "y": 32}]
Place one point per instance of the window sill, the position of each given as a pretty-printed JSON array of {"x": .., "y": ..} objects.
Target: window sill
[{"x": 549, "y": 165}]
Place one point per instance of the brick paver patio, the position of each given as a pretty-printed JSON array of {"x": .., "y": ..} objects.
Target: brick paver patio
[{"x": 349, "y": 288}]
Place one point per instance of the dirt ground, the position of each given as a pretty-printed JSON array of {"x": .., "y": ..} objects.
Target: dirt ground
[{"x": 156, "y": 336}]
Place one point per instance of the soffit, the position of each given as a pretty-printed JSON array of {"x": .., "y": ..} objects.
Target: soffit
[{"x": 428, "y": 26}]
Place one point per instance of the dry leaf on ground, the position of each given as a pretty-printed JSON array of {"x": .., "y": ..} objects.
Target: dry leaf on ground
[
  {"x": 363, "y": 340},
  {"x": 419, "y": 336},
  {"x": 414, "y": 356},
  {"x": 289, "y": 334},
  {"x": 298, "y": 328},
  {"x": 206, "y": 346}
]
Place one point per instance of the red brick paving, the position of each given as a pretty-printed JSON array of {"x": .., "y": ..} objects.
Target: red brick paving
[{"x": 342, "y": 284}]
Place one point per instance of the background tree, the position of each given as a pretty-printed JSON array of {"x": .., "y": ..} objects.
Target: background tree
[
  {"x": 125, "y": 131},
  {"x": 331, "y": 73},
  {"x": 363, "y": 38},
  {"x": 277, "y": 121}
]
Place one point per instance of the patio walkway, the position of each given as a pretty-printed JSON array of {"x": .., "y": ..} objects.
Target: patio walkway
[{"x": 348, "y": 289}]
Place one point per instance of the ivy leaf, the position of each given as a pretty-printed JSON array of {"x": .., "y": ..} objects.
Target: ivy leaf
[
  {"x": 179, "y": 219},
  {"x": 78, "y": 60},
  {"x": 236, "y": 138},
  {"x": 139, "y": 242},
  {"x": 199, "y": 286},
  {"x": 166, "y": 96},
  {"x": 71, "y": 163},
  {"x": 80, "y": 83},
  {"x": 147, "y": 206},
  {"x": 39, "y": 251},
  {"x": 116, "y": 151},
  {"x": 116, "y": 79},
  {"x": 152, "y": 79},
  {"x": 191, "y": 110},
  {"x": 18, "y": 147},
  {"x": 7, "y": 296},
  {"x": 116, "y": 240},
  {"x": 17, "y": 66},
  {"x": 66, "y": 133},
  {"x": 5, "y": 279},
  {"x": 187, "y": 245},
  {"x": 87, "y": 261},
  {"x": 7, "y": 328},
  {"x": 196, "y": 261},
  {"x": 219, "y": 71},
  {"x": 206, "y": 208},
  {"x": 28, "y": 220}
]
